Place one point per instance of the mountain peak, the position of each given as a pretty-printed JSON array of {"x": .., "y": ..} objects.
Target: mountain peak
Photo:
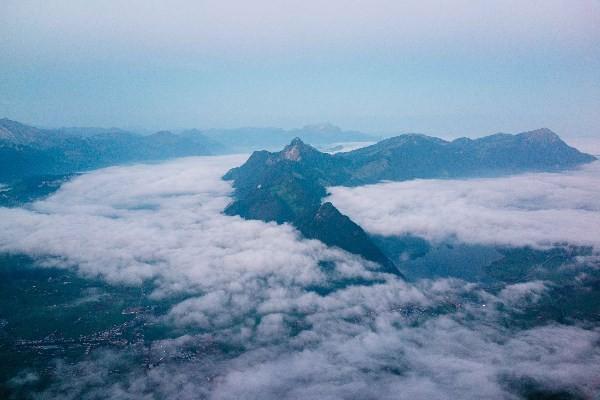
[
  {"x": 541, "y": 135},
  {"x": 297, "y": 142},
  {"x": 9, "y": 123},
  {"x": 19, "y": 133},
  {"x": 296, "y": 149},
  {"x": 293, "y": 151},
  {"x": 322, "y": 127}
]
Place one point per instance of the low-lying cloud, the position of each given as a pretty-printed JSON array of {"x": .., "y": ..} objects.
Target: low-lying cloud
[
  {"x": 537, "y": 209},
  {"x": 163, "y": 223},
  {"x": 254, "y": 314}
]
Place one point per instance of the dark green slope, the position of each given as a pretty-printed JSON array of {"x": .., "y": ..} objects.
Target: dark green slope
[
  {"x": 419, "y": 156},
  {"x": 288, "y": 186},
  {"x": 333, "y": 228}
]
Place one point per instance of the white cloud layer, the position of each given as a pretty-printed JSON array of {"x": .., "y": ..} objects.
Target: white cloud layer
[
  {"x": 354, "y": 350},
  {"x": 538, "y": 209},
  {"x": 163, "y": 222},
  {"x": 248, "y": 320}
]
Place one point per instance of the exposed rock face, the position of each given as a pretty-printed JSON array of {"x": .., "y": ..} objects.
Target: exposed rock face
[{"x": 293, "y": 151}]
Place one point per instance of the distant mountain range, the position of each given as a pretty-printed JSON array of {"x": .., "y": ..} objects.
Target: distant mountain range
[
  {"x": 288, "y": 186},
  {"x": 27, "y": 151},
  {"x": 248, "y": 139}
]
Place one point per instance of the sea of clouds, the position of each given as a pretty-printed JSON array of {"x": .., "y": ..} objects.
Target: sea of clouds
[
  {"x": 536, "y": 209},
  {"x": 271, "y": 322}
]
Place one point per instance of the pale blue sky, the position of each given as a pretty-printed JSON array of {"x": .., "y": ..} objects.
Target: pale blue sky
[{"x": 438, "y": 67}]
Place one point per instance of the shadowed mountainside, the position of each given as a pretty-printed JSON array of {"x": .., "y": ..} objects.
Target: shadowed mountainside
[
  {"x": 288, "y": 186},
  {"x": 26, "y": 151},
  {"x": 419, "y": 156}
]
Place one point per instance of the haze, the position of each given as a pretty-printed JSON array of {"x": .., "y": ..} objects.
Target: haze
[{"x": 442, "y": 68}]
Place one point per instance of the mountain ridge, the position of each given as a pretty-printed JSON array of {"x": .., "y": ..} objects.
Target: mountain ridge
[
  {"x": 27, "y": 151},
  {"x": 289, "y": 185}
]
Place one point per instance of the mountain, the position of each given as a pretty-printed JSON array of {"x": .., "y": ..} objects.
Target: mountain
[
  {"x": 12, "y": 132},
  {"x": 27, "y": 151},
  {"x": 419, "y": 156},
  {"x": 333, "y": 228},
  {"x": 31, "y": 188},
  {"x": 289, "y": 185},
  {"x": 248, "y": 139}
]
